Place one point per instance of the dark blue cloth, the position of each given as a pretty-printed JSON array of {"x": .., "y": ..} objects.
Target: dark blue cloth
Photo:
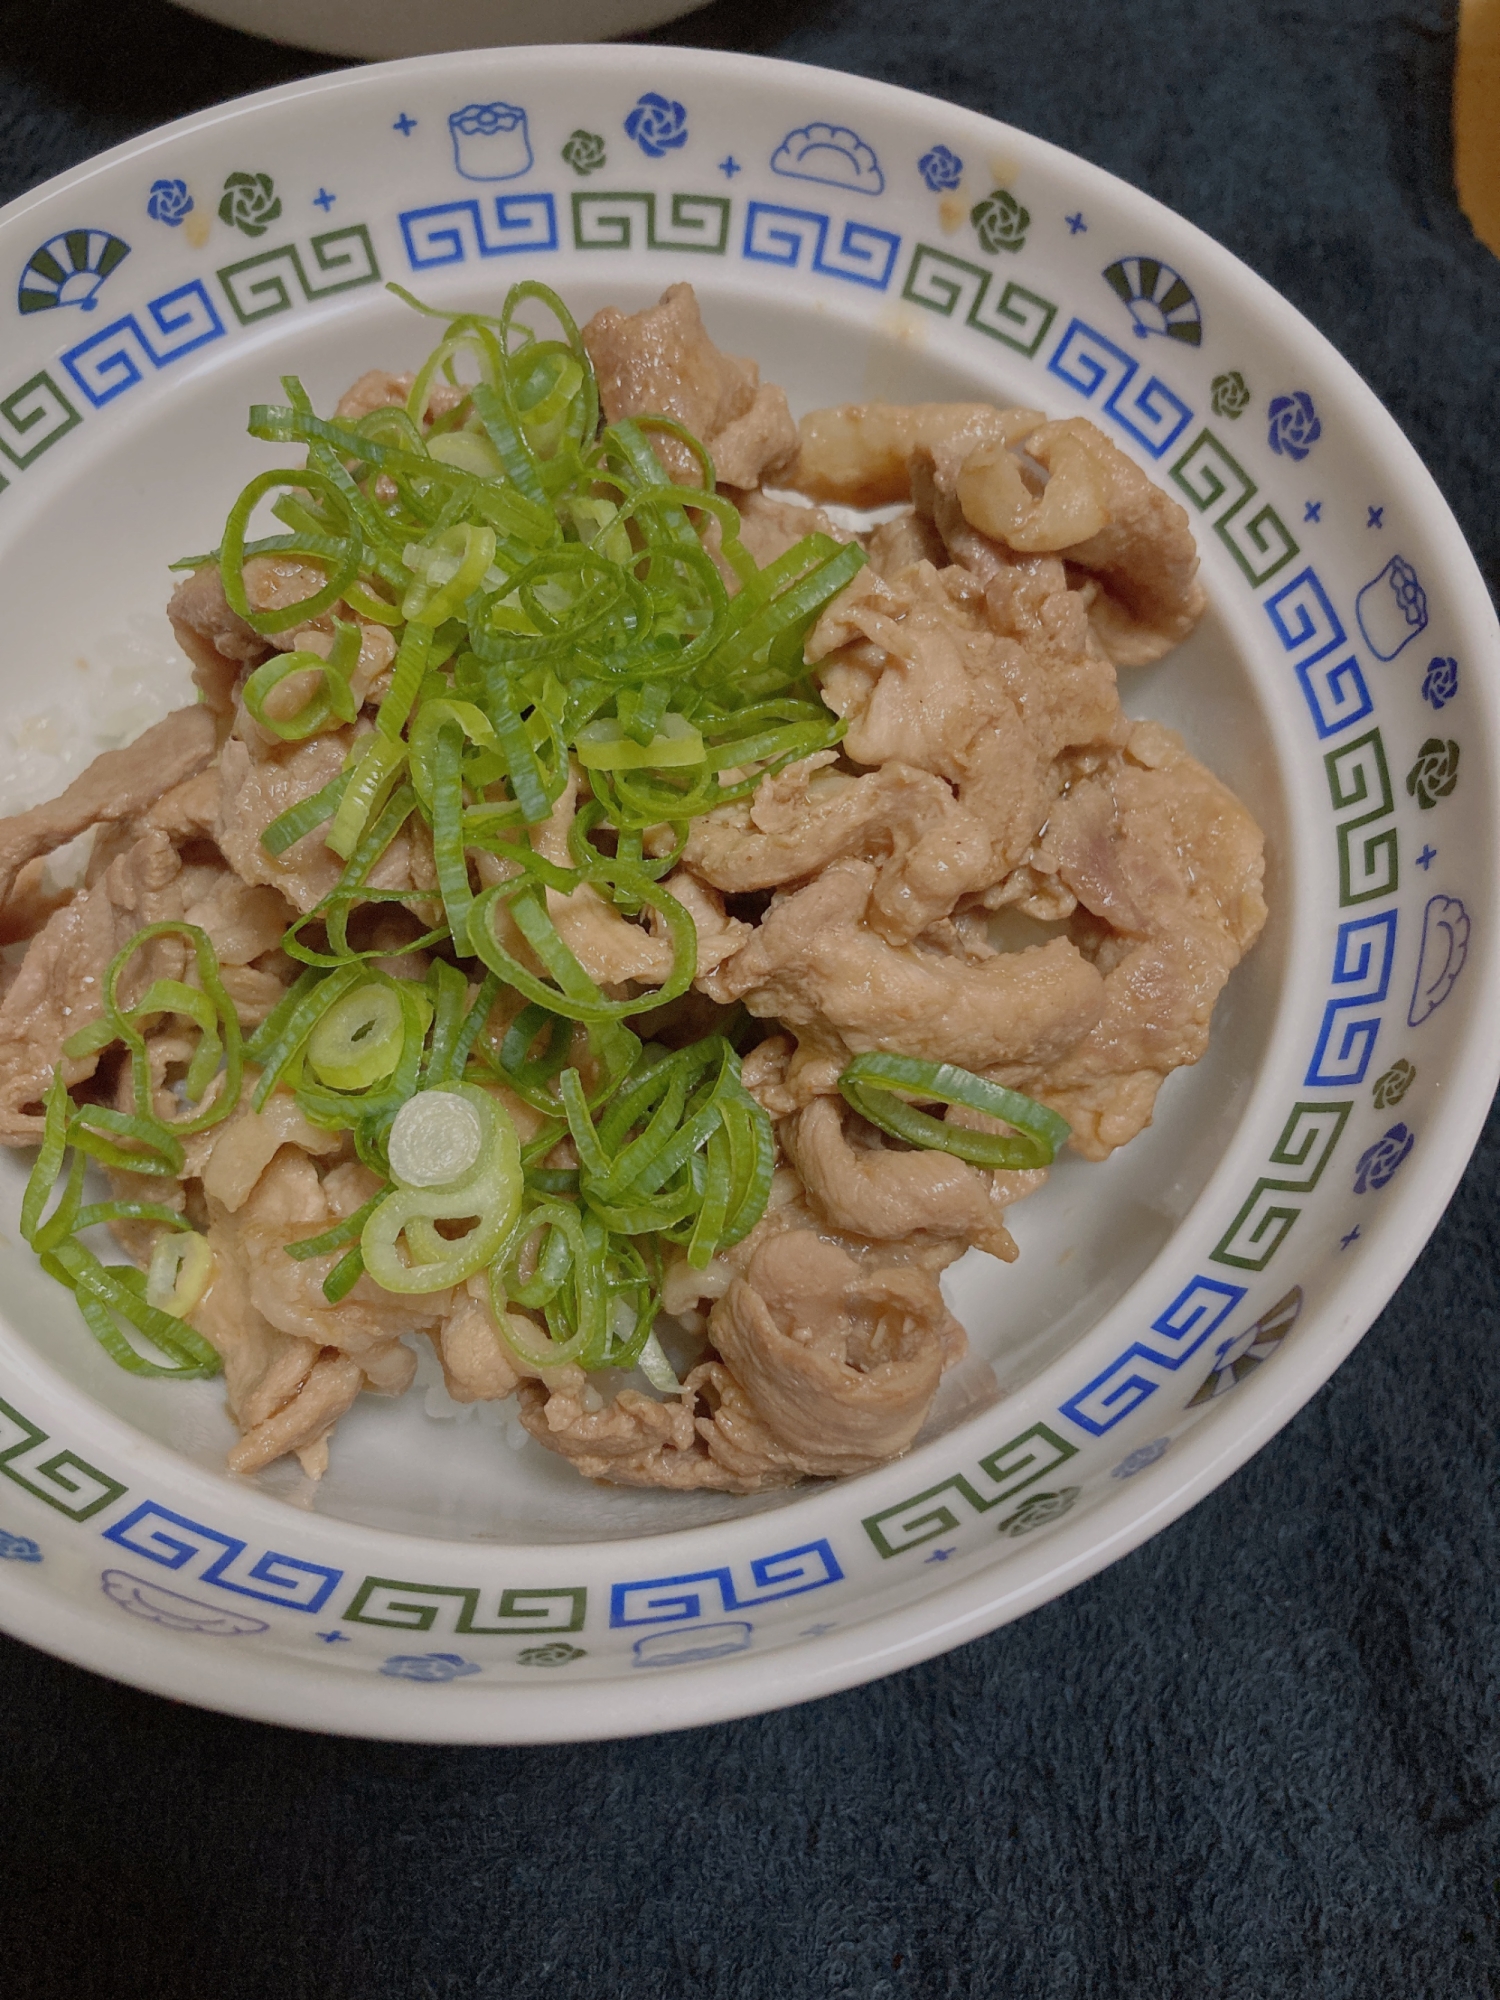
[{"x": 1258, "y": 1758}]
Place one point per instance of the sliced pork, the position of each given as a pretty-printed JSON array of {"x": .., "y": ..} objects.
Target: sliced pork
[{"x": 993, "y": 867}]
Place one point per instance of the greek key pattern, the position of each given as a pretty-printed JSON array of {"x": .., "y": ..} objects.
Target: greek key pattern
[
  {"x": 454, "y": 231},
  {"x": 261, "y": 286},
  {"x": 1259, "y": 541},
  {"x": 1018, "y": 1463},
  {"x": 212, "y": 1556},
  {"x": 944, "y": 284},
  {"x": 32, "y": 419},
  {"x": 1362, "y": 959},
  {"x": 800, "y": 239},
  {"x": 1307, "y": 625},
  {"x": 1150, "y": 413},
  {"x": 1297, "y": 1160},
  {"x": 629, "y": 222},
  {"x": 1198, "y": 1310},
  {"x": 457, "y": 1608},
  {"x": 119, "y": 355},
  {"x": 1369, "y": 861},
  {"x": 65, "y": 1481},
  {"x": 662, "y": 1600}
]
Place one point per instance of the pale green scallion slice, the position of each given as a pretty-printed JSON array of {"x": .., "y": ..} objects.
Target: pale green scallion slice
[{"x": 359, "y": 1040}]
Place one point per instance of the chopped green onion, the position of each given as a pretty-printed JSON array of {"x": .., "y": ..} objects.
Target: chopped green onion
[
  {"x": 375, "y": 764},
  {"x": 406, "y": 679},
  {"x": 328, "y": 705},
  {"x": 344, "y": 539},
  {"x": 449, "y": 570},
  {"x": 110, "y": 1293},
  {"x": 553, "y": 607},
  {"x": 344, "y": 1276},
  {"x": 280, "y": 1036},
  {"x": 181, "y": 1267},
  {"x": 299, "y": 820},
  {"x": 359, "y": 1040},
  {"x": 467, "y": 450},
  {"x": 435, "y": 1140},
  {"x": 878, "y": 1087},
  {"x": 340, "y": 1235},
  {"x": 575, "y": 993},
  {"x": 106, "y": 1294},
  {"x": 485, "y": 1193},
  {"x": 656, "y": 1368},
  {"x": 207, "y": 1007},
  {"x": 370, "y": 1113},
  {"x": 601, "y": 747}
]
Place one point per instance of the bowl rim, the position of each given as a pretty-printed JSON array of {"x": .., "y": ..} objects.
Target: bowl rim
[{"x": 969, "y": 1606}]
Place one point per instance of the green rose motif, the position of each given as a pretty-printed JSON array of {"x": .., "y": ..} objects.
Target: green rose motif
[
  {"x": 558, "y": 1654},
  {"x": 1394, "y": 1084},
  {"x": 1231, "y": 395},
  {"x": 1435, "y": 772},
  {"x": 1000, "y": 222},
  {"x": 250, "y": 203},
  {"x": 1038, "y": 1510},
  {"x": 584, "y": 152}
]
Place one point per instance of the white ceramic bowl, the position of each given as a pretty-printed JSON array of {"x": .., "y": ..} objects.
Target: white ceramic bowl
[
  {"x": 393, "y": 28},
  {"x": 1171, "y": 1309}
]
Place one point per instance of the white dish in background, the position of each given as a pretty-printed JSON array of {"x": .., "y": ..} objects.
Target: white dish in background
[
  {"x": 377, "y": 29},
  {"x": 1171, "y": 1309}
]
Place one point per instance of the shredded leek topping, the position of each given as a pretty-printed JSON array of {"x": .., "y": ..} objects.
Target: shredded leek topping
[
  {"x": 464, "y": 1159},
  {"x": 552, "y": 605},
  {"x": 880, "y": 1088}
]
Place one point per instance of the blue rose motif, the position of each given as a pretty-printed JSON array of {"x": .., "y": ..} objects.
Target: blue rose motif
[
  {"x": 1140, "y": 1458},
  {"x": 941, "y": 169},
  {"x": 428, "y": 1667},
  {"x": 1378, "y": 1162},
  {"x": 1440, "y": 683},
  {"x": 169, "y": 202},
  {"x": 657, "y": 124},
  {"x": 1294, "y": 424},
  {"x": 18, "y": 1548}
]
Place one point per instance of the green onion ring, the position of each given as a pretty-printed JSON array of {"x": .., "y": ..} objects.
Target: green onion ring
[{"x": 877, "y": 1087}]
